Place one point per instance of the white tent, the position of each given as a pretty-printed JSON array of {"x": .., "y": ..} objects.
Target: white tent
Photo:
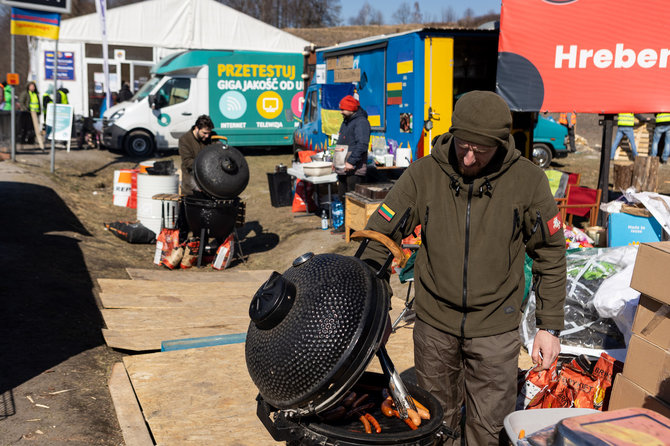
[
  {"x": 181, "y": 24},
  {"x": 141, "y": 34}
]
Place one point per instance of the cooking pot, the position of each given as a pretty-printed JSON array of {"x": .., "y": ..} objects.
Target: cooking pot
[
  {"x": 217, "y": 216},
  {"x": 313, "y": 331},
  {"x": 221, "y": 171}
]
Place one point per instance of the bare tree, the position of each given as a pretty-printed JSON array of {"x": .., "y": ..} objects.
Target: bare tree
[
  {"x": 401, "y": 15},
  {"x": 417, "y": 17},
  {"x": 367, "y": 16},
  {"x": 448, "y": 15},
  {"x": 290, "y": 13}
]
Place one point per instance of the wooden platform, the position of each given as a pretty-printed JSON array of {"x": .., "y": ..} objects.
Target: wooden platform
[{"x": 161, "y": 305}]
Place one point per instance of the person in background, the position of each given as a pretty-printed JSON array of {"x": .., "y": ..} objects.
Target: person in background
[
  {"x": 125, "y": 94},
  {"x": 190, "y": 144},
  {"x": 8, "y": 96},
  {"x": 482, "y": 207},
  {"x": 29, "y": 101},
  {"x": 46, "y": 100},
  {"x": 113, "y": 100},
  {"x": 61, "y": 96},
  {"x": 569, "y": 120},
  {"x": 625, "y": 123},
  {"x": 354, "y": 133},
  {"x": 662, "y": 128}
]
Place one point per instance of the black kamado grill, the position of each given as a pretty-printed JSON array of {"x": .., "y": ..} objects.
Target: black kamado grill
[
  {"x": 222, "y": 174},
  {"x": 313, "y": 331}
]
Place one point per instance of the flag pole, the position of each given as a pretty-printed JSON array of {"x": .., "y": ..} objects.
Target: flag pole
[{"x": 12, "y": 101}]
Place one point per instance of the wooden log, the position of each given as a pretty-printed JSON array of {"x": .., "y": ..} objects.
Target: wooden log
[
  {"x": 231, "y": 275},
  {"x": 645, "y": 174},
  {"x": 623, "y": 175}
]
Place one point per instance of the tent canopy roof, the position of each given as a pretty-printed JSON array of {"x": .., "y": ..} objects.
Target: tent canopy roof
[{"x": 181, "y": 24}]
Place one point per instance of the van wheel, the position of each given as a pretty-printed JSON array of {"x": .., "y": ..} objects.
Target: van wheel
[
  {"x": 542, "y": 155},
  {"x": 139, "y": 144}
]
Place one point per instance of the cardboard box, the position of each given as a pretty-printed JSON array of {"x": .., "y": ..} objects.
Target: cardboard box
[
  {"x": 626, "y": 393},
  {"x": 625, "y": 229},
  {"x": 652, "y": 322},
  {"x": 648, "y": 366},
  {"x": 651, "y": 275}
]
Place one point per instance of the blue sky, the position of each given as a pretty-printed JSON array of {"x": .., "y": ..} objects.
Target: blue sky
[{"x": 432, "y": 7}]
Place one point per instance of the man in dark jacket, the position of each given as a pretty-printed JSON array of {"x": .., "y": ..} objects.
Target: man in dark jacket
[
  {"x": 125, "y": 94},
  {"x": 481, "y": 206},
  {"x": 354, "y": 133},
  {"x": 190, "y": 144}
]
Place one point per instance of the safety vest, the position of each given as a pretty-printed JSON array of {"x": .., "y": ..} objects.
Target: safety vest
[
  {"x": 626, "y": 120},
  {"x": 8, "y": 97},
  {"x": 662, "y": 118},
  {"x": 563, "y": 118},
  {"x": 34, "y": 101},
  {"x": 63, "y": 97}
]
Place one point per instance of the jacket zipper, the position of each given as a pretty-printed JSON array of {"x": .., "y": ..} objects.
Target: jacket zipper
[
  {"x": 514, "y": 225},
  {"x": 465, "y": 260}
]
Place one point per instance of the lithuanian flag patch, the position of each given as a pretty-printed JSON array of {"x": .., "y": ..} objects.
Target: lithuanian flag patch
[{"x": 386, "y": 212}]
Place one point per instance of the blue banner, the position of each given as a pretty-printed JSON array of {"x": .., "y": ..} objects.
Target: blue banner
[{"x": 65, "y": 65}]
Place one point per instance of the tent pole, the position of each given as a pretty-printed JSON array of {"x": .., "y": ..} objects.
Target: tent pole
[{"x": 605, "y": 153}]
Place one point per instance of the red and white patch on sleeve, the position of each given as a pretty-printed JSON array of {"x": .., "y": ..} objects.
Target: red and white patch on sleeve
[{"x": 554, "y": 224}]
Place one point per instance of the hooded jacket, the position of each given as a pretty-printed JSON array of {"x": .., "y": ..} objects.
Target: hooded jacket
[
  {"x": 469, "y": 270},
  {"x": 355, "y": 133}
]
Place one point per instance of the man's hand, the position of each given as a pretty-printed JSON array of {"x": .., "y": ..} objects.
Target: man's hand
[
  {"x": 348, "y": 167},
  {"x": 546, "y": 348}
]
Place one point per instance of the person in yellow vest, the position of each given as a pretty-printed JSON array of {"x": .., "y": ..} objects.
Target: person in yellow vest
[
  {"x": 662, "y": 128},
  {"x": 8, "y": 97},
  {"x": 625, "y": 123},
  {"x": 61, "y": 96},
  {"x": 569, "y": 120},
  {"x": 29, "y": 101}
]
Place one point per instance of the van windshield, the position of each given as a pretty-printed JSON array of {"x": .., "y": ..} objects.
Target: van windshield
[{"x": 146, "y": 89}]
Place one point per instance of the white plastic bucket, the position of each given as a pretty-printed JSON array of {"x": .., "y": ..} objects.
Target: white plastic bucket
[
  {"x": 150, "y": 211},
  {"x": 125, "y": 188}
]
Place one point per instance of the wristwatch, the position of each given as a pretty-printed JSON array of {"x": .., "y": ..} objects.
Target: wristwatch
[{"x": 552, "y": 332}]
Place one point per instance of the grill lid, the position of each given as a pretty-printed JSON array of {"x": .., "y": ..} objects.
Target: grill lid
[
  {"x": 313, "y": 331},
  {"x": 221, "y": 172}
]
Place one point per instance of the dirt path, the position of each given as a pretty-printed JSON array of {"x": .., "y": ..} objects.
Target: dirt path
[{"x": 55, "y": 365}]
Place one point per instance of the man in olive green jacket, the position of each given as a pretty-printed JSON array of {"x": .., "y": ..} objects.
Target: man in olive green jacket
[{"x": 481, "y": 206}]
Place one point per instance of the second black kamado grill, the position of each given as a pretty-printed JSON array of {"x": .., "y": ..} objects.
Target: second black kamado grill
[
  {"x": 313, "y": 331},
  {"x": 222, "y": 173}
]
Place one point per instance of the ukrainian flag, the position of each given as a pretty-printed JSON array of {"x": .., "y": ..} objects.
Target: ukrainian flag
[{"x": 26, "y": 22}]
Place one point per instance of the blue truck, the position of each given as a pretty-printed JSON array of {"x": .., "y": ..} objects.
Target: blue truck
[{"x": 408, "y": 84}]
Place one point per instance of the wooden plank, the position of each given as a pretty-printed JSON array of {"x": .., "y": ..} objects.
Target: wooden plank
[
  {"x": 150, "y": 318},
  {"x": 260, "y": 275},
  {"x": 145, "y": 340},
  {"x": 134, "y": 301},
  {"x": 153, "y": 288},
  {"x": 128, "y": 412},
  {"x": 200, "y": 396}
]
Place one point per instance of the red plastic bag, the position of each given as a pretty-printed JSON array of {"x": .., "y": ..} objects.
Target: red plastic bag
[
  {"x": 302, "y": 200},
  {"x": 224, "y": 254},
  {"x": 536, "y": 385},
  {"x": 167, "y": 242}
]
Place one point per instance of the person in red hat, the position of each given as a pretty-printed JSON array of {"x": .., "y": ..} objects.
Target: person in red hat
[{"x": 354, "y": 133}]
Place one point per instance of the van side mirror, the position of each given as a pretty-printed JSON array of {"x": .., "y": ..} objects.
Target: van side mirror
[{"x": 428, "y": 124}]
